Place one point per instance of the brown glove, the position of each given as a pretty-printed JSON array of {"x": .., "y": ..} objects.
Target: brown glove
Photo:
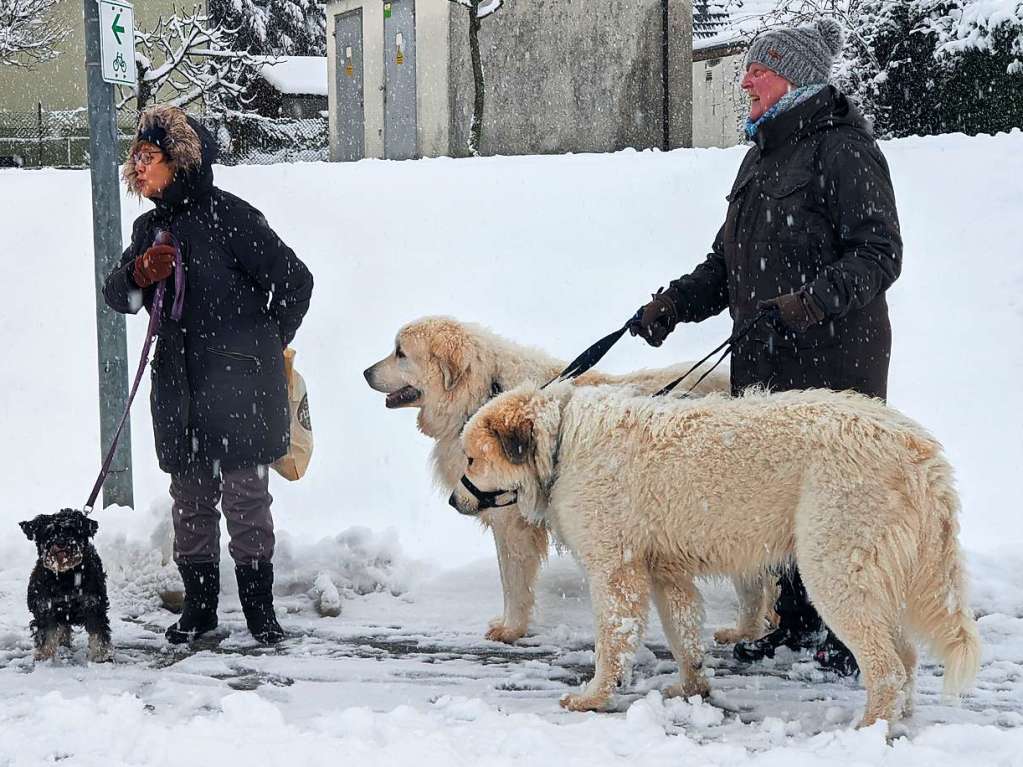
[
  {"x": 793, "y": 312},
  {"x": 655, "y": 320},
  {"x": 154, "y": 265}
]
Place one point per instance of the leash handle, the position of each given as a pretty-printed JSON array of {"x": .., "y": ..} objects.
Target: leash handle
[
  {"x": 728, "y": 346},
  {"x": 594, "y": 354}
]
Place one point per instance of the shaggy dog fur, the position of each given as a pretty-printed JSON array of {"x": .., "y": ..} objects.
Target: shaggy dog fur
[
  {"x": 649, "y": 494},
  {"x": 68, "y": 586},
  {"x": 449, "y": 369}
]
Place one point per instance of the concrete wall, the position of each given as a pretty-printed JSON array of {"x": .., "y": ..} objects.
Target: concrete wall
[
  {"x": 680, "y": 65},
  {"x": 60, "y": 83},
  {"x": 719, "y": 105},
  {"x": 573, "y": 76},
  {"x": 433, "y": 24}
]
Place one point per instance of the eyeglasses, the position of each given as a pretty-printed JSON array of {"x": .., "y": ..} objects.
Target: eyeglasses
[{"x": 146, "y": 158}]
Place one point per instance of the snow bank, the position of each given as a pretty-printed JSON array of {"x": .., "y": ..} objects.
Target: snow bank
[
  {"x": 558, "y": 251},
  {"x": 242, "y": 728}
]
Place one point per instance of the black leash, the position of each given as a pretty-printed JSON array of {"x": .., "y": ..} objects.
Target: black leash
[
  {"x": 728, "y": 346},
  {"x": 594, "y": 353},
  {"x": 488, "y": 499}
]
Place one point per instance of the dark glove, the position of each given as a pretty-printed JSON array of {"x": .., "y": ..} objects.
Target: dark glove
[
  {"x": 793, "y": 312},
  {"x": 154, "y": 265},
  {"x": 655, "y": 320}
]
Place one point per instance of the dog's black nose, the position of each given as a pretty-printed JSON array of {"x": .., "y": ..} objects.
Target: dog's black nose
[
  {"x": 368, "y": 374},
  {"x": 453, "y": 502}
]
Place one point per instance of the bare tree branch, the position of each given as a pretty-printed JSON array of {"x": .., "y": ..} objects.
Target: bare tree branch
[
  {"x": 482, "y": 9},
  {"x": 29, "y": 32},
  {"x": 196, "y": 59}
]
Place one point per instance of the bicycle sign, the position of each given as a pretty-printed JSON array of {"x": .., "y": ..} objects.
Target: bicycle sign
[{"x": 117, "y": 41}]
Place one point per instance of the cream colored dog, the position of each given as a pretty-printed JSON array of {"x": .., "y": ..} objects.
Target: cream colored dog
[
  {"x": 448, "y": 369},
  {"x": 650, "y": 493}
]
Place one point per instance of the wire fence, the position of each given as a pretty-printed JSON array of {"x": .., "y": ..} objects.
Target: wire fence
[{"x": 60, "y": 138}]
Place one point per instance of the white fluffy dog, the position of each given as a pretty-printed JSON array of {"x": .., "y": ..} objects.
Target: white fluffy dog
[
  {"x": 449, "y": 369},
  {"x": 650, "y": 493}
]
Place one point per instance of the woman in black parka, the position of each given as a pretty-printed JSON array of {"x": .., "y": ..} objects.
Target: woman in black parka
[
  {"x": 810, "y": 245},
  {"x": 219, "y": 395}
]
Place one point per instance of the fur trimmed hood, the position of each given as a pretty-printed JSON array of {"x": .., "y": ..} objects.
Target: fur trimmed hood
[{"x": 184, "y": 142}]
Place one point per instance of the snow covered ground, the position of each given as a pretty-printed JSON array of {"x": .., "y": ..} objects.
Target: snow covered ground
[{"x": 553, "y": 251}]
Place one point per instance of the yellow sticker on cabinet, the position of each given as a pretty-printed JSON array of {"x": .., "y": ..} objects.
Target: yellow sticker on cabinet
[{"x": 400, "y": 57}]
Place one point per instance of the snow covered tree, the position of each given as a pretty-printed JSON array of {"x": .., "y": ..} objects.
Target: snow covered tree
[
  {"x": 274, "y": 27},
  {"x": 194, "y": 58},
  {"x": 28, "y": 32},
  {"x": 922, "y": 66},
  {"x": 477, "y": 11},
  {"x": 937, "y": 66},
  {"x": 978, "y": 57}
]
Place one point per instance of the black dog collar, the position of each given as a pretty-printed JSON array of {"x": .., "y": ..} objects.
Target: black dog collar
[{"x": 487, "y": 499}]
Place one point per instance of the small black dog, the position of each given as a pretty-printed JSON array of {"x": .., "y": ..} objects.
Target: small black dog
[{"x": 68, "y": 586}]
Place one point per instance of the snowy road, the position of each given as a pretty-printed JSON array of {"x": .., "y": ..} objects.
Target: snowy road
[{"x": 391, "y": 667}]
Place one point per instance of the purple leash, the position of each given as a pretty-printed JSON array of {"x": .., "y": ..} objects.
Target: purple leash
[{"x": 156, "y": 310}]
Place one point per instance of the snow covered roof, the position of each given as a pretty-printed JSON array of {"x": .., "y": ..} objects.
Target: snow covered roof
[
  {"x": 719, "y": 23},
  {"x": 296, "y": 75}
]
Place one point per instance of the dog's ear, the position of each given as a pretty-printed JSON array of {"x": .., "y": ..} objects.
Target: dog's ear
[
  {"x": 90, "y": 526},
  {"x": 516, "y": 440},
  {"x": 451, "y": 359},
  {"x": 29, "y": 527}
]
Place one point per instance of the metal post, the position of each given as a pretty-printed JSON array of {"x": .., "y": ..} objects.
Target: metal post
[
  {"x": 665, "y": 78},
  {"x": 39, "y": 126},
  {"x": 106, "y": 236}
]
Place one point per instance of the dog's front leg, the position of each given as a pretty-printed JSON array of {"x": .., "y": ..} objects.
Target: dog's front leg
[
  {"x": 97, "y": 624},
  {"x": 620, "y": 601},
  {"x": 753, "y": 594},
  {"x": 681, "y": 611},
  {"x": 100, "y": 649},
  {"x": 49, "y": 636},
  {"x": 521, "y": 548}
]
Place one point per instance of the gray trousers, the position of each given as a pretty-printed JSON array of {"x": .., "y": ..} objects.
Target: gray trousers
[{"x": 246, "y": 503}]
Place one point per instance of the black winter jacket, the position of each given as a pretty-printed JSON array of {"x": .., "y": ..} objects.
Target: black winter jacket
[
  {"x": 812, "y": 205},
  {"x": 219, "y": 396}
]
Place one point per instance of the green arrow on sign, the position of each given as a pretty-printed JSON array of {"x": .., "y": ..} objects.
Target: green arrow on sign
[{"x": 115, "y": 27}]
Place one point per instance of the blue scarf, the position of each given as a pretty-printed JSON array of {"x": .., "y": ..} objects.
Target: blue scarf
[{"x": 791, "y": 99}]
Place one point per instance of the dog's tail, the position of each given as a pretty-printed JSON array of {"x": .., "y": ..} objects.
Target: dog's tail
[{"x": 938, "y": 608}]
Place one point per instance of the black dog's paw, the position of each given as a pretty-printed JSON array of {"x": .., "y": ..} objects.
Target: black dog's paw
[{"x": 100, "y": 649}]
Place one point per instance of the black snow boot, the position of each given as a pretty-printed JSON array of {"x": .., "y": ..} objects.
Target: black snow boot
[
  {"x": 255, "y": 590},
  {"x": 798, "y": 623},
  {"x": 199, "y": 612},
  {"x": 758, "y": 649},
  {"x": 832, "y": 655}
]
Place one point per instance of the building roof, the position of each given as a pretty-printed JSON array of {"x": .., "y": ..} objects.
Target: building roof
[
  {"x": 726, "y": 23},
  {"x": 296, "y": 75}
]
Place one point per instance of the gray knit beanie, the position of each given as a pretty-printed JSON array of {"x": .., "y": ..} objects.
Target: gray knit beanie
[{"x": 802, "y": 55}]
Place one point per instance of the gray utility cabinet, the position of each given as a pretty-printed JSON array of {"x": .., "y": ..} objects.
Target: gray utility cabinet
[{"x": 561, "y": 76}]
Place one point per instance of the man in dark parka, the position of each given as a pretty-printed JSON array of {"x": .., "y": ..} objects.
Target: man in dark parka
[
  {"x": 219, "y": 394},
  {"x": 811, "y": 238}
]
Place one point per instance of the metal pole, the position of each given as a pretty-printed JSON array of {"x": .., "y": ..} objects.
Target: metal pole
[
  {"x": 39, "y": 125},
  {"x": 106, "y": 236},
  {"x": 665, "y": 78}
]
